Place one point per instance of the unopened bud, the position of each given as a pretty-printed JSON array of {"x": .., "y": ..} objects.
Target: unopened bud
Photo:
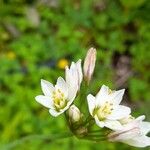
[
  {"x": 74, "y": 114},
  {"x": 89, "y": 64}
]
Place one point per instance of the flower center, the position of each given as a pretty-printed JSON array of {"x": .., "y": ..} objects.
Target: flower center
[
  {"x": 59, "y": 99},
  {"x": 103, "y": 111}
]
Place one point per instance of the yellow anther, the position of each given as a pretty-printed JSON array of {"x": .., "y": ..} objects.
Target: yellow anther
[
  {"x": 103, "y": 111},
  {"x": 59, "y": 99}
]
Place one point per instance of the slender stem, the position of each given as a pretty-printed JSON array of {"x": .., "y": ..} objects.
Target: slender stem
[
  {"x": 96, "y": 135},
  {"x": 50, "y": 138},
  {"x": 93, "y": 131},
  {"x": 95, "y": 139}
]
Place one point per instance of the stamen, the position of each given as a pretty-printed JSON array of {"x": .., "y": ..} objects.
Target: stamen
[
  {"x": 103, "y": 111},
  {"x": 59, "y": 99}
]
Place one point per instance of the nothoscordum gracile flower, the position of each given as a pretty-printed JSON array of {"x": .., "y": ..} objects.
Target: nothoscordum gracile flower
[
  {"x": 105, "y": 108},
  {"x": 133, "y": 133},
  {"x": 89, "y": 64},
  {"x": 58, "y": 98}
]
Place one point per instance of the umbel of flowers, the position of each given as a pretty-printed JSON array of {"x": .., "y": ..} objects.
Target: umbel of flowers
[{"x": 97, "y": 118}]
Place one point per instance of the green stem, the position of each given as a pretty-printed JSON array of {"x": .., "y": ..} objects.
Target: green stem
[
  {"x": 97, "y": 132},
  {"x": 96, "y": 135},
  {"x": 93, "y": 131},
  {"x": 50, "y": 138},
  {"x": 95, "y": 139}
]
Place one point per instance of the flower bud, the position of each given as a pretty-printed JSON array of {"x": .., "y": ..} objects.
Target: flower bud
[
  {"x": 89, "y": 64},
  {"x": 74, "y": 114}
]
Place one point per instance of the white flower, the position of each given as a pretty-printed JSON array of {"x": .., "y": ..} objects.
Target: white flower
[
  {"x": 105, "y": 108},
  {"x": 74, "y": 114},
  {"x": 89, "y": 64},
  {"x": 74, "y": 75},
  {"x": 57, "y": 98},
  {"x": 133, "y": 133}
]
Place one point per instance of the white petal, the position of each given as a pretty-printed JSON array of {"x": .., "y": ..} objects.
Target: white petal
[
  {"x": 131, "y": 126},
  {"x": 74, "y": 75},
  {"x": 103, "y": 91},
  {"x": 140, "y": 118},
  {"x": 101, "y": 124},
  {"x": 73, "y": 72},
  {"x": 72, "y": 93},
  {"x": 102, "y": 95},
  {"x": 119, "y": 112},
  {"x": 113, "y": 125},
  {"x": 142, "y": 141},
  {"x": 124, "y": 134},
  {"x": 145, "y": 127},
  {"x": 68, "y": 104},
  {"x": 47, "y": 87},
  {"x": 61, "y": 84},
  {"x": 54, "y": 113},
  {"x": 45, "y": 101},
  {"x": 68, "y": 76},
  {"x": 79, "y": 69},
  {"x": 91, "y": 103},
  {"x": 117, "y": 96},
  {"x": 72, "y": 84}
]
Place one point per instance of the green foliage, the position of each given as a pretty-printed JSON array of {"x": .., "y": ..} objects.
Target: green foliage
[{"x": 35, "y": 35}]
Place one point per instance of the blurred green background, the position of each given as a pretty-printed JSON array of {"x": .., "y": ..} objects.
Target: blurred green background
[{"x": 39, "y": 37}]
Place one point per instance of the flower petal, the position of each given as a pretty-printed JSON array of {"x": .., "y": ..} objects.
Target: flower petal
[
  {"x": 47, "y": 87},
  {"x": 68, "y": 104},
  {"x": 74, "y": 75},
  {"x": 119, "y": 112},
  {"x": 72, "y": 85},
  {"x": 141, "y": 141},
  {"x": 117, "y": 96},
  {"x": 113, "y": 124},
  {"x": 124, "y": 134},
  {"x": 145, "y": 127},
  {"x": 45, "y": 101},
  {"x": 102, "y": 95},
  {"x": 72, "y": 93},
  {"x": 79, "y": 70},
  {"x": 103, "y": 91},
  {"x": 91, "y": 103},
  {"x": 140, "y": 118},
  {"x": 101, "y": 124},
  {"x": 55, "y": 113},
  {"x": 61, "y": 84}
]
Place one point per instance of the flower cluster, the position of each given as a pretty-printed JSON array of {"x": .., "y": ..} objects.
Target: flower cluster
[{"x": 113, "y": 120}]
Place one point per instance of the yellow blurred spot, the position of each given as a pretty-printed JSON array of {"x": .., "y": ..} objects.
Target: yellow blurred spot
[
  {"x": 62, "y": 63},
  {"x": 11, "y": 55}
]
